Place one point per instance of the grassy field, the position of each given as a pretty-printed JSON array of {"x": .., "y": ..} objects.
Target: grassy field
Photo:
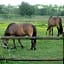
[{"x": 45, "y": 48}]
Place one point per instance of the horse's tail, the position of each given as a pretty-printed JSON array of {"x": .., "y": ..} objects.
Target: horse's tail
[
  {"x": 34, "y": 31},
  {"x": 34, "y": 35},
  {"x": 60, "y": 25}
]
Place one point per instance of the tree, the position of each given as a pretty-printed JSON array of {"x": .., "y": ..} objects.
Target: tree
[
  {"x": 26, "y": 9},
  {"x": 3, "y": 9}
]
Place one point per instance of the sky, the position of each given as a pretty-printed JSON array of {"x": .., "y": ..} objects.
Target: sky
[{"x": 32, "y": 2}]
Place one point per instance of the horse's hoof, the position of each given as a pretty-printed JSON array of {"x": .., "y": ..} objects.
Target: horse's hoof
[
  {"x": 7, "y": 47},
  {"x": 34, "y": 49},
  {"x": 31, "y": 48},
  {"x": 22, "y": 46},
  {"x": 14, "y": 48},
  {"x": 57, "y": 35}
]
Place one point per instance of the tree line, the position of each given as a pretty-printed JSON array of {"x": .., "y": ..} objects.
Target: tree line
[{"x": 25, "y": 9}]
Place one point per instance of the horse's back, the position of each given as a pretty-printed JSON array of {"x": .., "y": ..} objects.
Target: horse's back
[
  {"x": 27, "y": 29},
  {"x": 19, "y": 29},
  {"x": 53, "y": 21}
]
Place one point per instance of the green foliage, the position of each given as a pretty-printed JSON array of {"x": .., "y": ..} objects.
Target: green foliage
[
  {"x": 62, "y": 13},
  {"x": 43, "y": 11},
  {"x": 26, "y": 9},
  {"x": 8, "y": 11}
]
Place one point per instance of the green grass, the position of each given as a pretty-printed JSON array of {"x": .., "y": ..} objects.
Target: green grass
[{"x": 45, "y": 48}]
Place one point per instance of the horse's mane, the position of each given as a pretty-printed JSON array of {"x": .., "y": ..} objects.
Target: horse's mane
[
  {"x": 8, "y": 27},
  {"x": 10, "y": 24}
]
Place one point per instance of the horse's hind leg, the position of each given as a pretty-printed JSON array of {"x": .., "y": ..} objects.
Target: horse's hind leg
[
  {"x": 58, "y": 31},
  {"x": 20, "y": 43},
  {"x": 49, "y": 30},
  {"x": 32, "y": 44}
]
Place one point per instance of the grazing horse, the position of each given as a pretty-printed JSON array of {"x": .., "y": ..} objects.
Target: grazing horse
[
  {"x": 54, "y": 21},
  {"x": 14, "y": 29}
]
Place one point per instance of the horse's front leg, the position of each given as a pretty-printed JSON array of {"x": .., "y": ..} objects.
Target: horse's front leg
[
  {"x": 20, "y": 43},
  {"x": 52, "y": 31},
  {"x": 49, "y": 32},
  {"x": 14, "y": 43}
]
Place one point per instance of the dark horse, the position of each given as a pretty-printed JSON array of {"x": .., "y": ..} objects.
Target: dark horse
[
  {"x": 14, "y": 29},
  {"x": 55, "y": 21}
]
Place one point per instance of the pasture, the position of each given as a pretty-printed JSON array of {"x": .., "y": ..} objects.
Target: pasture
[{"x": 45, "y": 48}]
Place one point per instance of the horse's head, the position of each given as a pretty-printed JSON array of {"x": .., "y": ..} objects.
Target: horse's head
[{"x": 5, "y": 43}]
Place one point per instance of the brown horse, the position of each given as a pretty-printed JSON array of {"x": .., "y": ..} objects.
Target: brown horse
[
  {"x": 14, "y": 29},
  {"x": 55, "y": 21}
]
